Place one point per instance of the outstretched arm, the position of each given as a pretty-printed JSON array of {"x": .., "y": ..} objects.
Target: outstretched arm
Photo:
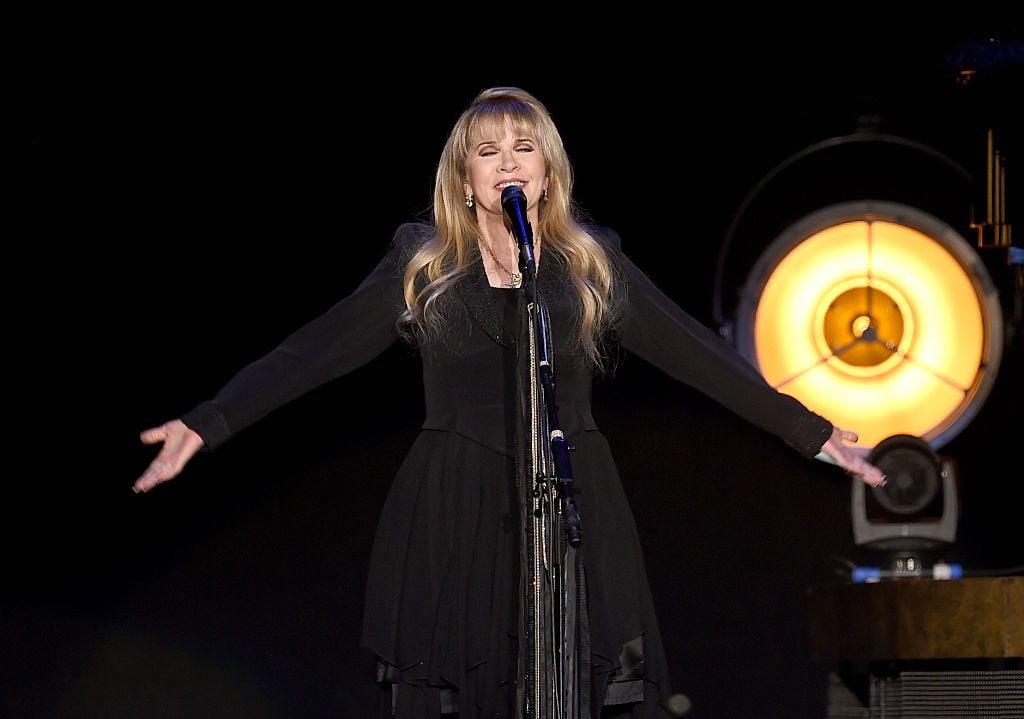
[
  {"x": 180, "y": 444},
  {"x": 654, "y": 327}
]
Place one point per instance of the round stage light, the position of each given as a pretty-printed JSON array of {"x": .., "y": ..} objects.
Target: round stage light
[{"x": 878, "y": 316}]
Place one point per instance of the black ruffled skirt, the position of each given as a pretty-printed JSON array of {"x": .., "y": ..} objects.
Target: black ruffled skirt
[{"x": 442, "y": 609}]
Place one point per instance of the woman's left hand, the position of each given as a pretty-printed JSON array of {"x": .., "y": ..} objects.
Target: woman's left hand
[{"x": 851, "y": 461}]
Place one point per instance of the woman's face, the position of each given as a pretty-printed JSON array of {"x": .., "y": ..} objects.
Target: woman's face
[{"x": 501, "y": 159}]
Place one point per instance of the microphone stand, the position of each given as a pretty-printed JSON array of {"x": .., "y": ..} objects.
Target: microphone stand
[
  {"x": 559, "y": 447},
  {"x": 557, "y": 677}
]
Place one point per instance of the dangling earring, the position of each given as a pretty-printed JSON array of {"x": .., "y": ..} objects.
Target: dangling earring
[
  {"x": 545, "y": 195},
  {"x": 469, "y": 201}
]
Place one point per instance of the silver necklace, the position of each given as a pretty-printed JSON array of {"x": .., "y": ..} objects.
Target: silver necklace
[{"x": 515, "y": 279}]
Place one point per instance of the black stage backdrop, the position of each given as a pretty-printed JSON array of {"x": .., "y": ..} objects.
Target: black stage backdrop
[{"x": 191, "y": 182}]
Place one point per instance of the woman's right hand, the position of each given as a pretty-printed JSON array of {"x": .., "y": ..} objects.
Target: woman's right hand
[{"x": 180, "y": 444}]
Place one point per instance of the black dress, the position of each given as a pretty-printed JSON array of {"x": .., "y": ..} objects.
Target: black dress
[{"x": 442, "y": 595}]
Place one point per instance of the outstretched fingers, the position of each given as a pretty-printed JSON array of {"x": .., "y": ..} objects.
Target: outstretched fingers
[
  {"x": 851, "y": 461},
  {"x": 180, "y": 444}
]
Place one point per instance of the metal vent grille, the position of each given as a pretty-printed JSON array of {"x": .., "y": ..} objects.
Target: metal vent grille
[
  {"x": 952, "y": 695},
  {"x": 931, "y": 695}
]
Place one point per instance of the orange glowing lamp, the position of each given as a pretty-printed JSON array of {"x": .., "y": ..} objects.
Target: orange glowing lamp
[{"x": 877, "y": 316}]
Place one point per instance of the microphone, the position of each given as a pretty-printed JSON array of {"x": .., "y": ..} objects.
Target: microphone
[{"x": 513, "y": 201}]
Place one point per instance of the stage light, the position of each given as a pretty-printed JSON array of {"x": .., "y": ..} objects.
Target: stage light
[
  {"x": 844, "y": 291},
  {"x": 917, "y": 508},
  {"x": 878, "y": 316}
]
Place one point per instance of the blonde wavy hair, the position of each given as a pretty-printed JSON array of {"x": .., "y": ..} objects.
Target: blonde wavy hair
[{"x": 445, "y": 258}]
